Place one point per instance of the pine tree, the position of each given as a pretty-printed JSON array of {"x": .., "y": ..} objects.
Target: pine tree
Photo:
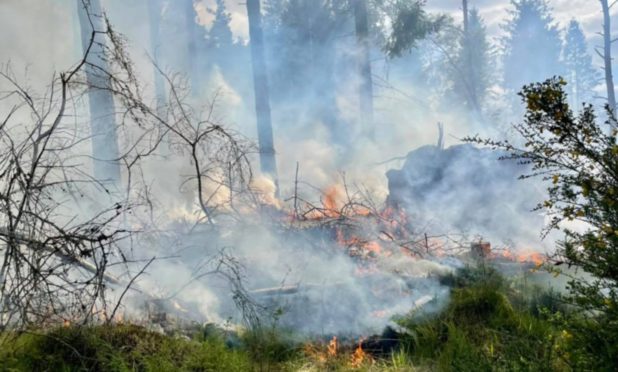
[
  {"x": 532, "y": 45},
  {"x": 471, "y": 70},
  {"x": 220, "y": 33},
  {"x": 579, "y": 71},
  {"x": 411, "y": 24}
]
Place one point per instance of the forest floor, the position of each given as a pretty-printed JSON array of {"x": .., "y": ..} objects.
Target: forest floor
[{"x": 490, "y": 323}]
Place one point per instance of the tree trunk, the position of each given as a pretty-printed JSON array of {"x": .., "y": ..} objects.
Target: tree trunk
[
  {"x": 607, "y": 56},
  {"x": 364, "y": 66},
  {"x": 268, "y": 162},
  {"x": 468, "y": 70},
  {"x": 154, "y": 15},
  {"x": 101, "y": 102}
]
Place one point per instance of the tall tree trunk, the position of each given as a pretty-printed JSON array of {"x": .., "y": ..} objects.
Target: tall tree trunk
[
  {"x": 469, "y": 68},
  {"x": 154, "y": 15},
  {"x": 268, "y": 162},
  {"x": 364, "y": 66},
  {"x": 607, "y": 56},
  {"x": 101, "y": 102}
]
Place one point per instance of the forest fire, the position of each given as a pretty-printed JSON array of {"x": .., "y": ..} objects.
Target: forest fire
[{"x": 266, "y": 179}]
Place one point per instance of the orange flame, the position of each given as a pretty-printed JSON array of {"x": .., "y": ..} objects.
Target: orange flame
[
  {"x": 330, "y": 203},
  {"x": 321, "y": 354},
  {"x": 359, "y": 357},
  {"x": 523, "y": 257},
  {"x": 331, "y": 351}
]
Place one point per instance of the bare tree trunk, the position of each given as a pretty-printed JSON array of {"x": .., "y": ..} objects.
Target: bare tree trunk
[
  {"x": 364, "y": 66},
  {"x": 607, "y": 56},
  {"x": 154, "y": 15},
  {"x": 468, "y": 70},
  {"x": 268, "y": 162},
  {"x": 102, "y": 113}
]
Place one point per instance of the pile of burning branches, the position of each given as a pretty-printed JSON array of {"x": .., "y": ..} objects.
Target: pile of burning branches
[{"x": 367, "y": 228}]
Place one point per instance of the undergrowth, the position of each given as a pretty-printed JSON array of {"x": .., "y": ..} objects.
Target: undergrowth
[{"x": 490, "y": 323}]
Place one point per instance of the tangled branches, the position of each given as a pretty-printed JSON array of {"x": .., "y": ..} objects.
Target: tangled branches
[{"x": 61, "y": 228}]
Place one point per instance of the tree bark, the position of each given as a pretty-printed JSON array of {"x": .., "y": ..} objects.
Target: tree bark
[
  {"x": 468, "y": 70},
  {"x": 268, "y": 162},
  {"x": 102, "y": 113},
  {"x": 607, "y": 56},
  {"x": 364, "y": 67}
]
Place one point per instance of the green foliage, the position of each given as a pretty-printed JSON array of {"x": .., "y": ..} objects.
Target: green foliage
[
  {"x": 490, "y": 323},
  {"x": 532, "y": 44},
  {"x": 220, "y": 33},
  {"x": 115, "y": 348},
  {"x": 269, "y": 346},
  {"x": 580, "y": 72},
  {"x": 410, "y": 25},
  {"x": 578, "y": 159},
  {"x": 481, "y": 330},
  {"x": 471, "y": 70}
]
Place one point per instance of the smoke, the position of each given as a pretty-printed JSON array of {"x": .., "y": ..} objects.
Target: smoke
[{"x": 301, "y": 268}]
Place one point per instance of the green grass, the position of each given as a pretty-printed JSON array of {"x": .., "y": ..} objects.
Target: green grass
[
  {"x": 116, "y": 348},
  {"x": 489, "y": 324}
]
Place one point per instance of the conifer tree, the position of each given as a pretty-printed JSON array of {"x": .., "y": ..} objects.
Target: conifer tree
[
  {"x": 220, "y": 33},
  {"x": 579, "y": 71},
  {"x": 532, "y": 46},
  {"x": 471, "y": 73}
]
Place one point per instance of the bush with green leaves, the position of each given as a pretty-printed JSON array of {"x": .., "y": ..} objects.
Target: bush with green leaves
[
  {"x": 116, "y": 348},
  {"x": 576, "y": 154},
  {"x": 481, "y": 329}
]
